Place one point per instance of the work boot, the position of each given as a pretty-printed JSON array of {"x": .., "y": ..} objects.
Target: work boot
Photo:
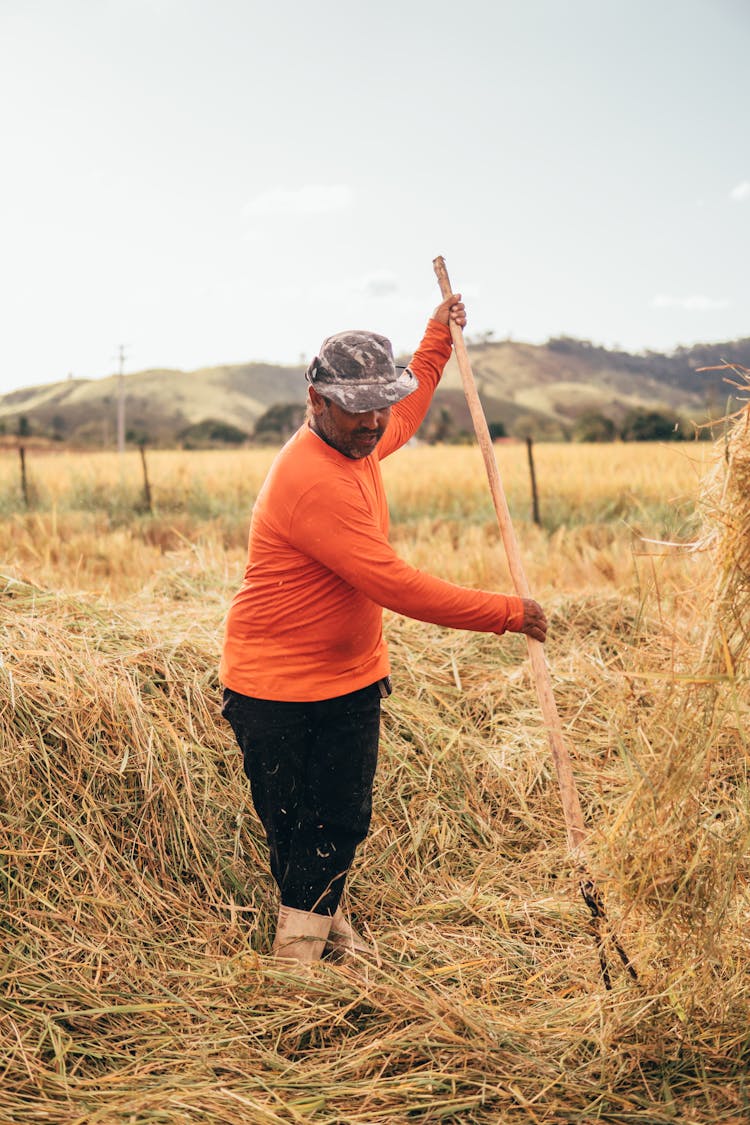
[
  {"x": 344, "y": 939},
  {"x": 300, "y": 935}
]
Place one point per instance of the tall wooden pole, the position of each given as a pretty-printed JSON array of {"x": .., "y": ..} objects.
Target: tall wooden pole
[
  {"x": 568, "y": 792},
  {"x": 571, "y": 805}
]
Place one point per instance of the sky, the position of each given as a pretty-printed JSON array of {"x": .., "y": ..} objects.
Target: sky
[{"x": 219, "y": 181}]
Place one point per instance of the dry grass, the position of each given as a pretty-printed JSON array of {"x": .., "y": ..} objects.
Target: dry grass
[
  {"x": 86, "y": 527},
  {"x": 137, "y": 908},
  {"x": 621, "y": 481}
]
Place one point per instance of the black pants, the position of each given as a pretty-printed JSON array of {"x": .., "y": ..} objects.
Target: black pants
[{"x": 311, "y": 767}]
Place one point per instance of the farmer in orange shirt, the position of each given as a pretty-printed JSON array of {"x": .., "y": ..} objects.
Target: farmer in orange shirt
[{"x": 304, "y": 663}]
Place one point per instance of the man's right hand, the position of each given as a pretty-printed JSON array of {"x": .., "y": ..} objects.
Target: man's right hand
[
  {"x": 534, "y": 621},
  {"x": 451, "y": 309}
]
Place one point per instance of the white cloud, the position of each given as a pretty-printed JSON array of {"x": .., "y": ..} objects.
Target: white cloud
[
  {"x": 381, "y": 284},
  {"x": 311, "y": 199},
  {"x": 741, "y": 191},
  {"x": 370, "y": 286},
  {"x": 698, "y": 302}
]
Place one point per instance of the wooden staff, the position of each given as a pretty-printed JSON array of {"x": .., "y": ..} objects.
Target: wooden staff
[
  {"x": 568, "y": 792},
  {"x": 576, "y": 831}
]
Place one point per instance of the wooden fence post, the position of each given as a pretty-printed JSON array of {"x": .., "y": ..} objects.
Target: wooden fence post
[
  {"x": 146, "y": 485},
  {"x": 534, "y": 494},
  {"x": 24, "y": 482}
]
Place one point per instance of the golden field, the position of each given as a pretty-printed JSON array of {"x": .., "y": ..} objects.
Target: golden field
[
  {"x": 86, "y": 524},
  {"x": 137, "y": 911}
]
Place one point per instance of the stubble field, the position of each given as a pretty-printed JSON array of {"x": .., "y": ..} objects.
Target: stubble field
[{"x": 137, "y": 912}]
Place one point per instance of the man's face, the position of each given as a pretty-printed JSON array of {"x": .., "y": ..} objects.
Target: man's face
[{"x": 354, "y": 435}]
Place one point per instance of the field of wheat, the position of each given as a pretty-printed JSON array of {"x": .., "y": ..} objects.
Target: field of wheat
[{"x": 137, "y": 910}]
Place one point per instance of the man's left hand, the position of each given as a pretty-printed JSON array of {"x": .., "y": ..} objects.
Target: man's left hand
[{"x": 534, "y": 622}]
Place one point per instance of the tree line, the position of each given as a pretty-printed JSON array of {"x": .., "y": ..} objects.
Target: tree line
[{"x": 281, "y": 420}]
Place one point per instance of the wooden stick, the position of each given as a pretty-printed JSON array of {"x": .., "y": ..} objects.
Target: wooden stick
[{"x": 569, "y": 794}]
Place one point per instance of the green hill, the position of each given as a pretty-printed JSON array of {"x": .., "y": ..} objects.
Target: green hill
[{"x": 528, "y": 388}]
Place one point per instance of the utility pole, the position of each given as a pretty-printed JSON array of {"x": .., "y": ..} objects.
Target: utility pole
[{"x": 121, "y": 401}]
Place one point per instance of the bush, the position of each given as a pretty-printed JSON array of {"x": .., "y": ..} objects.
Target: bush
[
  {"x": 652, "y": 425},
  {"x": 280, "y": 421},
  {"x": 594, "y": 427},
  {"x": 539, "y": 427},
  {"x": 212, "y": 432}
]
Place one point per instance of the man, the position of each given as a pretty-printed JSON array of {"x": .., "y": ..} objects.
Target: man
[{"x": 304, "y": 664}]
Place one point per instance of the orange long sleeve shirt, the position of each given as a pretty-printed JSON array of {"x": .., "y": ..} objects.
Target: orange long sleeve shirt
[{"x": 306, "y": 623}]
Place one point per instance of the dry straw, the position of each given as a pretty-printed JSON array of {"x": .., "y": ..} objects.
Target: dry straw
[
  {"x": 727, "y": 512},
  {"x": 137, "y": 912},
  {"x": 683, "y": 836}
]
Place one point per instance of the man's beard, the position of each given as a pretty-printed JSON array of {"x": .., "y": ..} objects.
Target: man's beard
[{"x": 356, "y": 444}]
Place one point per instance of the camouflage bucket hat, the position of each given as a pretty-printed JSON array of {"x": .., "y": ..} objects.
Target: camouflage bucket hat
[{"x": 356, "y": 371}]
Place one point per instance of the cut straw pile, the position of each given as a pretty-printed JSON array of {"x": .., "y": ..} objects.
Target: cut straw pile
[
  {"x": 138, "y": 913},
  {"x": 683, "y": 836}
]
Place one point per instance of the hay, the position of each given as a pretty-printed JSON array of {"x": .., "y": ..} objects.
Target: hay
[
  {"x": 726, "y": 504},
  {"x": 137, "y": 910},
  {"x": 681, "y": 843}
]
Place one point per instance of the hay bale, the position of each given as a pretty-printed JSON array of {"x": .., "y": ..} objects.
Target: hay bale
[
  {"x": 726, "y": 506},
  {"x": 680, "y": 844}
]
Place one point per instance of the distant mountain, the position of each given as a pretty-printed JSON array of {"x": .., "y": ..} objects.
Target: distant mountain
[
  {"x": 540, "y": 388},
  {"x": 549, "y": 387}
]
